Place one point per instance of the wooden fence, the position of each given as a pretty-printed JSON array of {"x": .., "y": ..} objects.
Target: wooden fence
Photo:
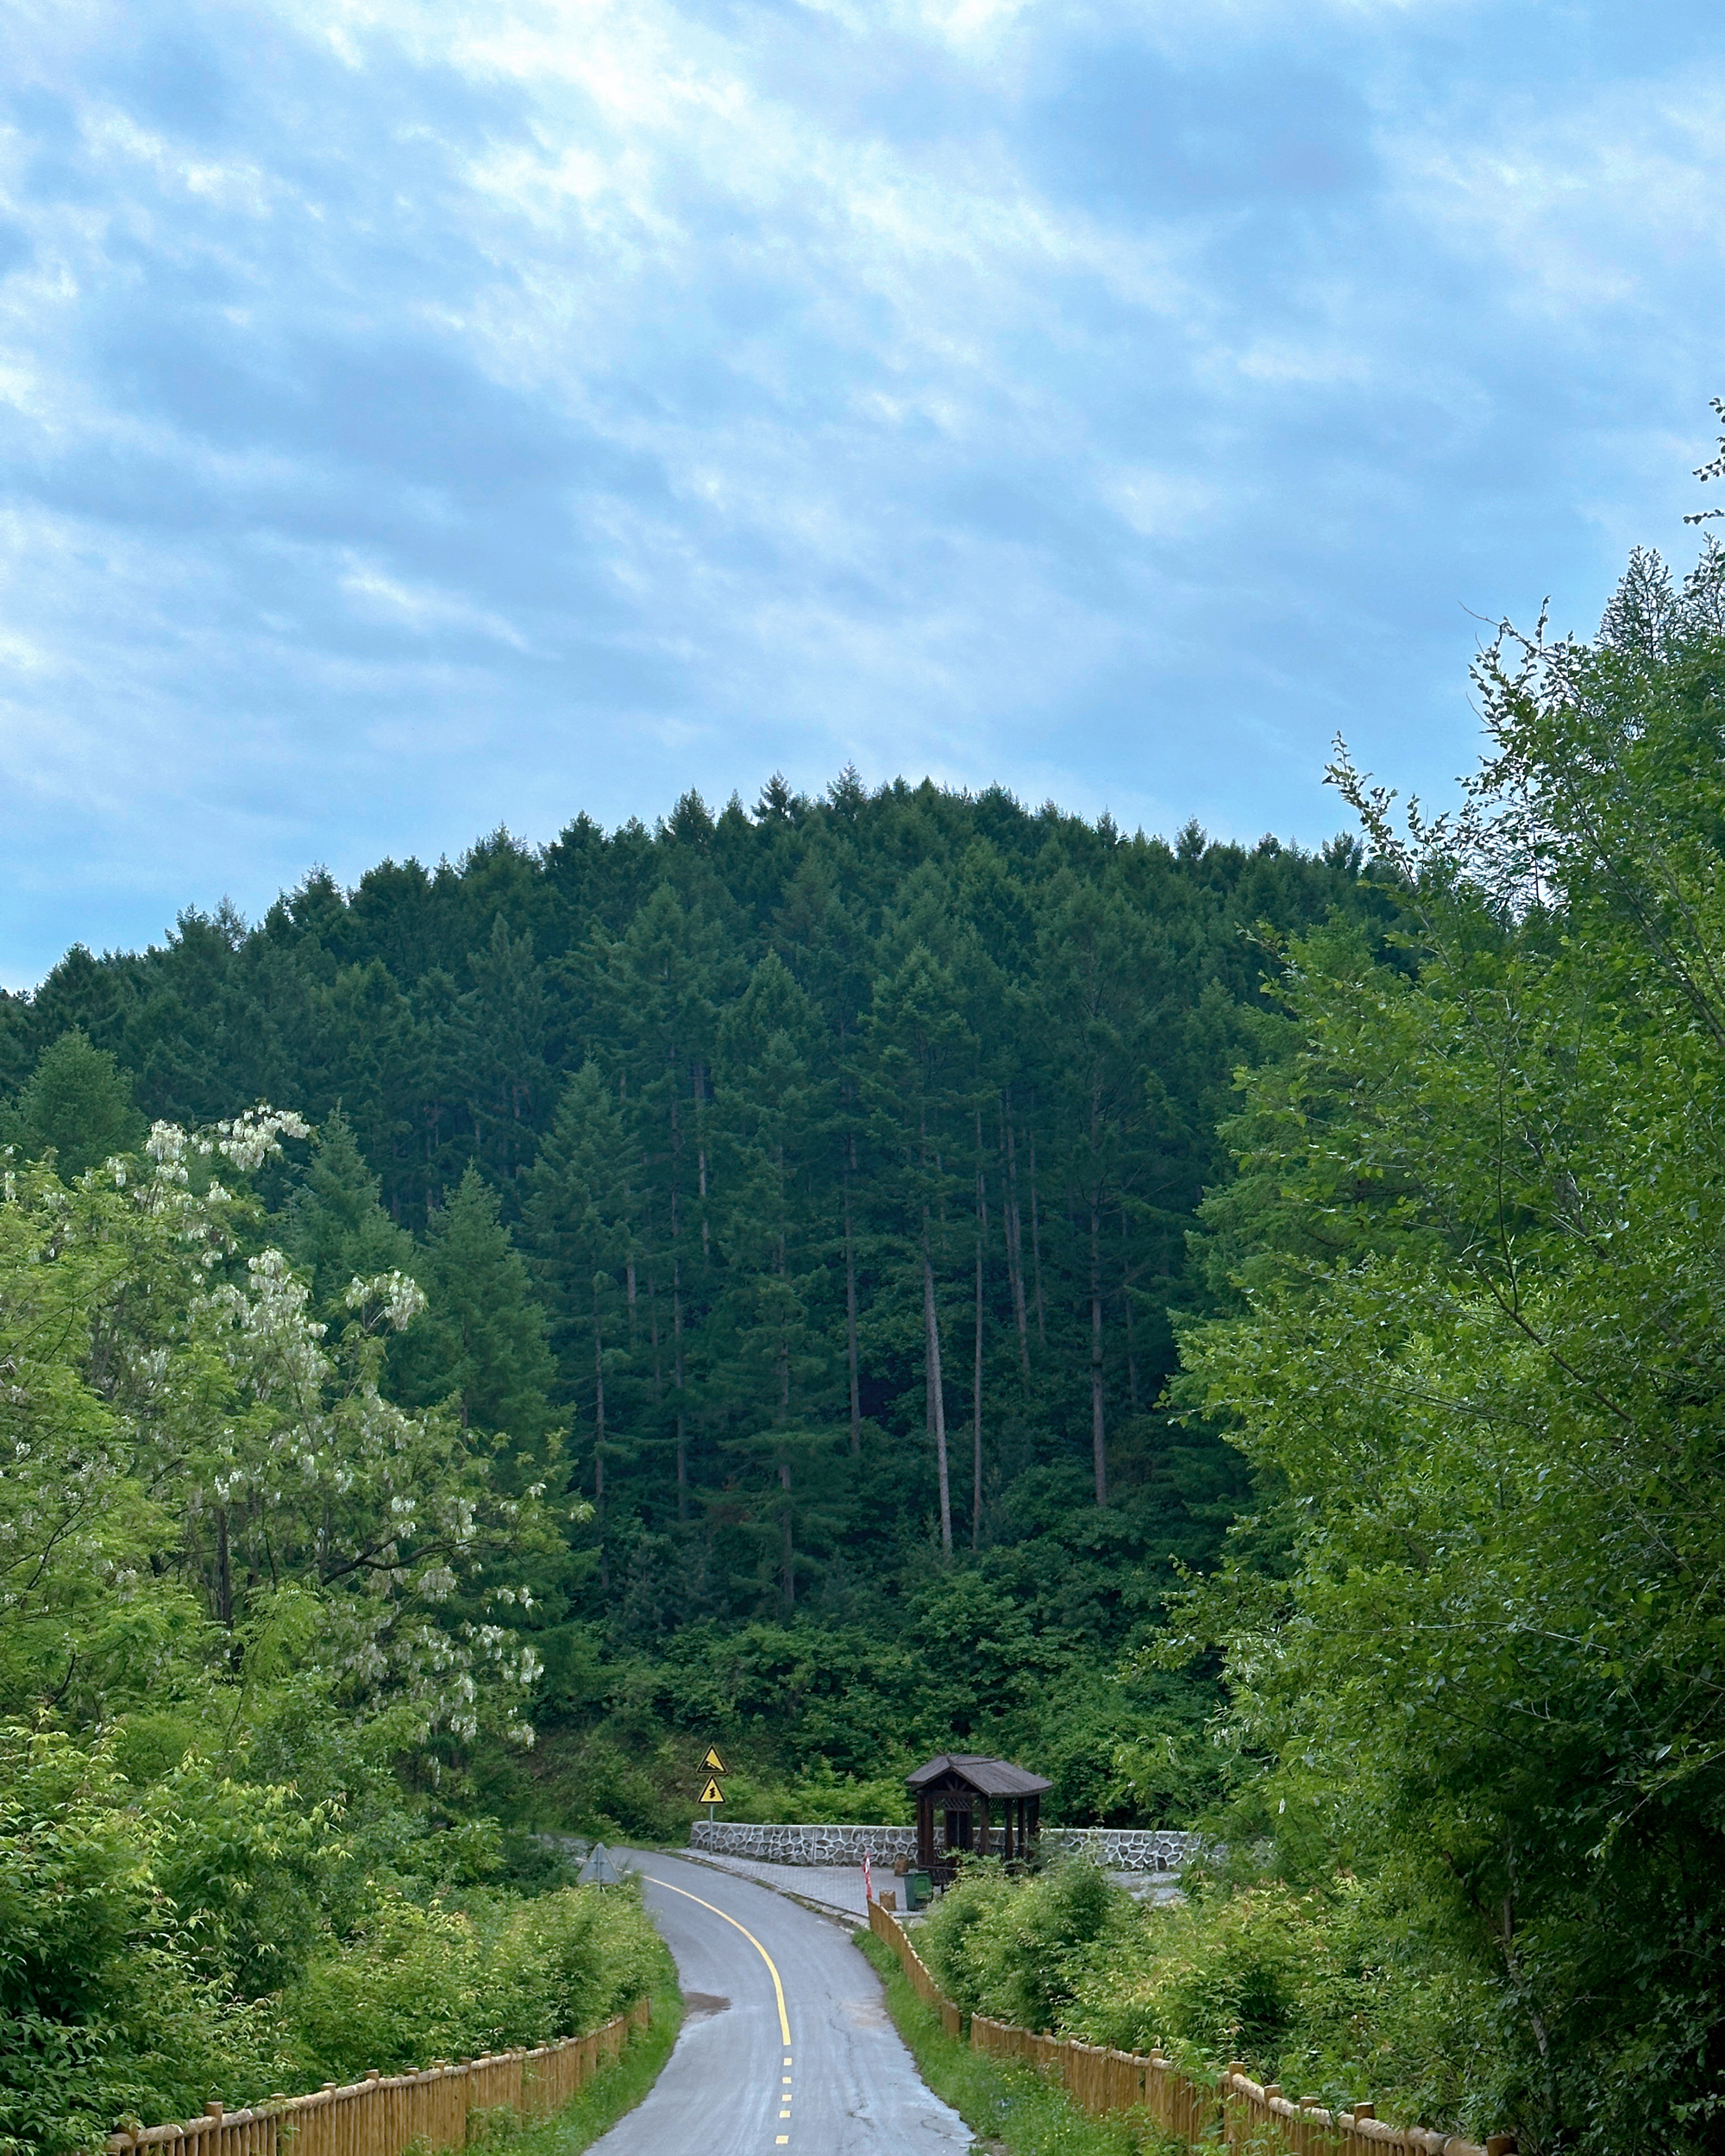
[
  {"x": 382, "y": 2114},
  {"x": 1235, "y": 2112}
]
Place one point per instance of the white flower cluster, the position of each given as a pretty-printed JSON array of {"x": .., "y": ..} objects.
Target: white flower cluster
[
  {"x": 165, "y": 1146},
  {"x": 249, "y": 1140},
  {"x": 398, "y": 1298}
]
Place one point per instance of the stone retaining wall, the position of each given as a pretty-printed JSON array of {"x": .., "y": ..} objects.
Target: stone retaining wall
[
  {"x": 803, "y": 1844},
  {"x": 1115, "y": 1848},
  {"x": 1124, "y": 1848}
]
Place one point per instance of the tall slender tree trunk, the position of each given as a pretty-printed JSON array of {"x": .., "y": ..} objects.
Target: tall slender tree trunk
[
  {"x": 677, "y": 1370},
  {"x": 677, "y": 1284},
  {"x": 936, "y": 1402},
  {"x": 1099, "y": 1433},
  {"x": 1036, "y": 1246},
  {"x": 598, "y": 1438},
  {"x": 1127, "y": 1299},
  {"x": 628, "y": 1229},
  {"x": 789, "y": 1558},
  {"x": 851, "y": 1312},
  {"x": 976, "y": 1371},
  {"x": 700, "y": 1157},
  {"x": 1015, "y": 1232}
]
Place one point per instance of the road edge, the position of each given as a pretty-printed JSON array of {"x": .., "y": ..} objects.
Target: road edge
[{"x": 617, "y": 2087}]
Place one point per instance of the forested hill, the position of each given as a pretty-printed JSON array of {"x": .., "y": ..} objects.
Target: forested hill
[{"x": 837, "y": 1139}]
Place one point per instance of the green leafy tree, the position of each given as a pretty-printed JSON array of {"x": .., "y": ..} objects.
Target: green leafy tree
[
  {"x": 1475, "y": 1365},
  {"x": 180, "y": 1440}
]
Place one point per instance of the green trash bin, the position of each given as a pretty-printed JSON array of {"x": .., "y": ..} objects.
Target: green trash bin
[{"x": 918, "y": 1889}]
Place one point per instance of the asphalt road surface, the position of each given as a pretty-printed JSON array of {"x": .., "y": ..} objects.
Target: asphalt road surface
[{"x": 785, "y": 2044}]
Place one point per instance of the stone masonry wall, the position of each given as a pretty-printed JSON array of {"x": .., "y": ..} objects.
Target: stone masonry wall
[
  {"x": 803, "y": 1844},
  {"x": 1116, "y": 1848}
]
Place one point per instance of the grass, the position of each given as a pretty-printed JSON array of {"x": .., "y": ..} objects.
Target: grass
[
  {"x": 1013, "y": 2108},
  {"x": 618, "y": 2086}
]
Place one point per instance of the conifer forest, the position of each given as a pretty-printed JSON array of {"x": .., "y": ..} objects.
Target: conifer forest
[{"x": 805, "y": 1190}]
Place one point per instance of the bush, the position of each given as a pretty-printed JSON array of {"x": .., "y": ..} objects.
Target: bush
[
  {"x": 1328, "y": 1991},
  {"x": 1252, "y": 1975},
  {"x": 204, "y": 1938},
  {"x": 440, "y": 1981},
  {"x": 1015, "y": 1952},
  {"x": 105, "y": 2012}
]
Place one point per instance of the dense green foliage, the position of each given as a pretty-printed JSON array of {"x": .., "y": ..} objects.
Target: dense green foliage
[
  {"x": 1321, "y": 1988},
  {"x": 807, "y": 1191},
  {"x": 239, "y": 1588},
  {"x": 1477, "y": 1627}
]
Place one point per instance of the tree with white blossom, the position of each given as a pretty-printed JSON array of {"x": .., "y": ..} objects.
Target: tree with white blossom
[{"x": 183, "y": 1446}]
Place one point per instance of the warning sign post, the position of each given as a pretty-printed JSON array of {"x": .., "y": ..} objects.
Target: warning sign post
[{"x": 711, "y": 1766}]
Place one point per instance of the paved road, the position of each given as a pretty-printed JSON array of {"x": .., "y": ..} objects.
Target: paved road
[{"x": 785, "y": 2044}]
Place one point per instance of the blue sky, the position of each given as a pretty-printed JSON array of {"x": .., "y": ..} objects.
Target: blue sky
[{"x": 421, "y": 418}]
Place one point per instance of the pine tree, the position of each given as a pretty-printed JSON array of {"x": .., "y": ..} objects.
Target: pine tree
[
  {"x": 776, "y": 1374},
  {"x": 577, "y": 1230},
  {"x": 335, "y": 1228},
  {"x": 922, "y": 1054},
  {"x": 486, "y": 1346},
  {"x": 78, "y": 1104}
]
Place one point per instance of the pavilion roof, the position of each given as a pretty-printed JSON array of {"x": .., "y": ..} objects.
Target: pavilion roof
[{"x": 988, "y": 1778}]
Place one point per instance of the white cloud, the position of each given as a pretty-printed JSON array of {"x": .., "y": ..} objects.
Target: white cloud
[{"x": 605, "y": 397}]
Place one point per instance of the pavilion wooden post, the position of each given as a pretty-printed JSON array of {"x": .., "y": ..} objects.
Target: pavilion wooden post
[{"x": 965, "y": 1787}]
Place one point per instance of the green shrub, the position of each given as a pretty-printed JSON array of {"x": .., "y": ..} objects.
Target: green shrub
[
  {"x": 1251, "y": 1975},
  {"x": 1015, "y": 1951},
  {"x": 105, "y": 2010},
  {"x": 1331, "y": 1990},
  {"x": 416, "y": 1982}
]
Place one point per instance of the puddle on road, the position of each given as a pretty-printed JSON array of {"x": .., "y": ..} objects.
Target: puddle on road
[{"x": 698, "y": 2005}]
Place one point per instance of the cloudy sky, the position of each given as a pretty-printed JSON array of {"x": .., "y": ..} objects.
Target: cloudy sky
[{"x": 421, "y": 418}]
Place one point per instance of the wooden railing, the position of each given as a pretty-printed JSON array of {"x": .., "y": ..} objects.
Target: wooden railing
[
  {"x": 1255, "y": 2116},
  {"x": 1100, "y": 2080},
  {"x": 381, "y": 2115},
  {"x": 1235, "y": 2111},
  {"x": 886, "y": 1926}
]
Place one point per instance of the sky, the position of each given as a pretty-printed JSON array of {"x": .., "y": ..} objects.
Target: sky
[{"x": 418, "y": 418}]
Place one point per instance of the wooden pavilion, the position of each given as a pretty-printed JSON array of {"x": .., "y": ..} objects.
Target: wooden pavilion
[{"x": 956, "y": 1795}]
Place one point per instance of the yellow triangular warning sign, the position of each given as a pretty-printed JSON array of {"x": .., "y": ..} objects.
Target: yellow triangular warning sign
[
  {"x": 712, "y": 1794},
  {"x": 713, "y": 1763}
]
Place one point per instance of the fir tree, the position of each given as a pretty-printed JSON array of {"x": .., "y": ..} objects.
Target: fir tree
[
  {"x": 485, "y": 1346},
  {"x": 335, "y": 1229},
  {"x": 77, "y": 1103}
]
